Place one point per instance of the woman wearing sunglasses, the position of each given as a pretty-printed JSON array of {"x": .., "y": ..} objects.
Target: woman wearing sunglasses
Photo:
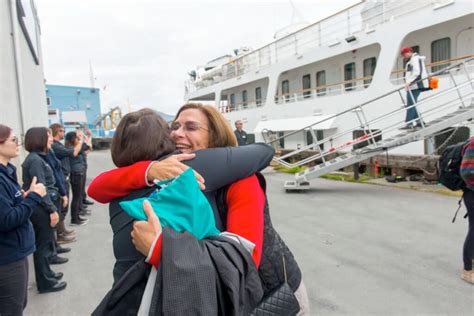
[
  {"x": 17, "y": 238},
  {"x": 238, "y": 208}
]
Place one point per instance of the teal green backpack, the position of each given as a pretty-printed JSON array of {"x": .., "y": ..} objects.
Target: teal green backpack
[{"x": 179, "y": 204}]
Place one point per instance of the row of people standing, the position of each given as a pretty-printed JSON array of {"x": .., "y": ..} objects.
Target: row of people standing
[{"x": 32, "y": 217}]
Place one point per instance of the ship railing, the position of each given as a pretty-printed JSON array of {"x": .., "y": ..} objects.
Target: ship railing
[
  {"x": 331, "y": 31},
  {"x": 357, "y": 84},
  {"x": 226, "y": 107},
  {"x": 371, "y": 126}
]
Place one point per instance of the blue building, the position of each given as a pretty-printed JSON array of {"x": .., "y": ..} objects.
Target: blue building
[{"x": 73, "y": 106}]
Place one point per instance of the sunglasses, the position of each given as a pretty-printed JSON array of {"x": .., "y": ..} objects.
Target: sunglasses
[{"x": 187, "y": 126}]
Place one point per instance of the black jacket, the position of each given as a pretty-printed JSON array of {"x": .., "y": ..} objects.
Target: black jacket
[
  {"x": 241, "y": 137},
  {"x": 274, "y": 249},
  {"x": 17, "y": 238},
  {"x": 213, "y": 276},
  {"x": 35, "y": 165},
  {"x": 218, "y": 166},
  {"x": 63, "y": 154},
  {"x": 55, "y": 165}
]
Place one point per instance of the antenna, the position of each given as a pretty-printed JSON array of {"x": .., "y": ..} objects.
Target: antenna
[{"x": 91, "y": 75}]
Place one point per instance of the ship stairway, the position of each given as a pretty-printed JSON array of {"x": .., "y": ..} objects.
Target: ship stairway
[{"x": 451, "y": 105}]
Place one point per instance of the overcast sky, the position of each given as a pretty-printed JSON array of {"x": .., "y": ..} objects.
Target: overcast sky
[{"x": 141, "y": 50}]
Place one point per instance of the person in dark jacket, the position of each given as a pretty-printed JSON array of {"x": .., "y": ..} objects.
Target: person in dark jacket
[
  {"x": 228, "y": 165},
  {"x": 86, "y": 150},
  {"x": 38, "y": 142},
  {"x": 17, "y": 238},
  {"x": 240, "y": 134},
  {"x": 64, "y": 154},
  {"x": 467, "y": 173},
  {"x": 76, "y": 179}
]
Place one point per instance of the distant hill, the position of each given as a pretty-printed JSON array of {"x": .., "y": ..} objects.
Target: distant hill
[{"x": 167, "y": 117}]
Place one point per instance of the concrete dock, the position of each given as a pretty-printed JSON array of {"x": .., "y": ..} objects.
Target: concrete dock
[{"x": 363, "y": 249}]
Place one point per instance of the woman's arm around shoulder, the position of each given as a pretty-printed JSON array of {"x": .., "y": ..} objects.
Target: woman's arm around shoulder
[{"x": 118, "y": 182}]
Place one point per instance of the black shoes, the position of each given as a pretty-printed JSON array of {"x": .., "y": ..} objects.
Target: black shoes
[
  {"x": 55, "y": 288},
  {"x": 57, "y": 260},
  {"x": 79, "y": 221},
  {"x": 58, "y": 275},
  {"x": 60, "y": 249},
  {"x": 88, "y": 202},
  {"x": 85, "y": 212}
]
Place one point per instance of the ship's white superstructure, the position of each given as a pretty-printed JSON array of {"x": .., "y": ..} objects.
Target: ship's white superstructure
[{"x": 336, "y": 63}]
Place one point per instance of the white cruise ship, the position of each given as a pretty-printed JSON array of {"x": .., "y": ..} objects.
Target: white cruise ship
[{"x": 352, "y": 57}]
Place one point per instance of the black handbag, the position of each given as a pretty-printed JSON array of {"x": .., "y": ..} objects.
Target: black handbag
[{"x": 281, "y": 301}]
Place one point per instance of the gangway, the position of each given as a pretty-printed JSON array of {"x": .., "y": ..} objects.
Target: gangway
[{"x": 442, "y": 109}]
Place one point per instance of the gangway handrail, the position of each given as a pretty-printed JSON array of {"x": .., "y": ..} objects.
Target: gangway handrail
[{"x": 371, "y": 100}]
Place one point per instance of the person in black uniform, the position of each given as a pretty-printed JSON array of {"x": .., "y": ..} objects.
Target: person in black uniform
[
  {"x": 86, "y": 149},
  {"x": 64, "y": 154},
  {"x": 17, "y": 238},
  {"x": 77, "y": 177},
  {"x": 240, "y": 134},
  {"x": 45, "y": 216}
]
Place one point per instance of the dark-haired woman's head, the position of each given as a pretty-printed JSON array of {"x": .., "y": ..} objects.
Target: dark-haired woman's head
[
  {"x": 141, "y": 135},
  {"x": 9, "y": 144},
  {"x": 70, "y": 139},
  {"x": 37, "y": 139}
]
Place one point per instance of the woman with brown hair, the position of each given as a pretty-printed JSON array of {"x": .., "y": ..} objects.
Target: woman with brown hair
[
  {"x": 17, "y": 239},
  {"x": 219, "y": 166},
  {"x": 241, "y": 208},
  {"x": 38, "y": 142}
]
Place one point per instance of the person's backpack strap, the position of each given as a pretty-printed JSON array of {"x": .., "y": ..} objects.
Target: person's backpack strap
[{"x": 459, "y": 207}]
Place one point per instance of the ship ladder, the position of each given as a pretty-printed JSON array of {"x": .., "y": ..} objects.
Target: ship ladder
[{"x": 451, "y": 105}]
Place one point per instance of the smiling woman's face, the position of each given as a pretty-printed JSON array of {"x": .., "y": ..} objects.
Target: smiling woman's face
[{"x": 190, "y": 131}]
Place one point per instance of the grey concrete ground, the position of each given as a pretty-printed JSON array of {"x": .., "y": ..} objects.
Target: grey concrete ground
[{"x": 364, "y": 250}]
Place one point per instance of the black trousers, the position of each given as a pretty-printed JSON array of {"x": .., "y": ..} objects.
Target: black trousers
[
  {"x": 13, "y": 287},
  {"x": 77, "y": 189},
  {"x": 44, "y": 235},
  {"x": 64, "y": 210},
  {"x": 84, "y": 193},
  {"x": 468, "y": 250}
]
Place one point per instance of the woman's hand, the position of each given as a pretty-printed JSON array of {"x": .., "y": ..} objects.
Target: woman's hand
[
  {"x": 54, "y": 218},
  {"x": 144, "y": 233},
  {"x": 64, "y": 201},
  {"x": 172, "y": 167},
  {"x": 38, "y": 188}
]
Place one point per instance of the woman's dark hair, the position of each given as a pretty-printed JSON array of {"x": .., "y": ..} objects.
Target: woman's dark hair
[
  {"x": 5, "y": 131},
  {"x": 141, "y": 135},
  {"x": 36, "y": 139},
  {"x": 70, "y": 139}
]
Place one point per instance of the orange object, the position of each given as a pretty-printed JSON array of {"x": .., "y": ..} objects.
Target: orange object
[{"x": 434, "y": 82}]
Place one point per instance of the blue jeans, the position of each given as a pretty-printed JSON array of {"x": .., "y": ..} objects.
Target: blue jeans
[{"x": 412, "y": 113}]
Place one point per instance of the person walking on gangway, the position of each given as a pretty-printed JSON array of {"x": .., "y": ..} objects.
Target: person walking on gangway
[{"x": 415, "y": 70}]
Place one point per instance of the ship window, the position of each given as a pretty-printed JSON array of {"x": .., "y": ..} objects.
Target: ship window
[
  {"x": 306, "y": 86},
  {"x": 369, "y": 69},
  {"x": 232, "y": 102},
  {"x": 320, "y": 82},
  {"x": 349, "y": 74},
  {"x": 258, "y": 96},
  {"x": 244, "y": 99},
  {"x": 440, "y": 50},
  {"x": 285, "y": 89}
]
